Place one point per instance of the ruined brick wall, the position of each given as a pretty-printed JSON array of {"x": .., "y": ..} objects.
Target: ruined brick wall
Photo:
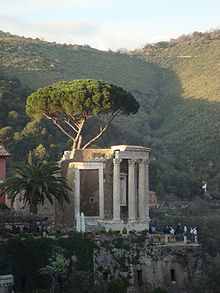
[
  {"x": 91, "y": 154},
  {"x": 174, "y": 267},
  {"x": 108, "y": 189},
  {"x": 65, "y": 215}
]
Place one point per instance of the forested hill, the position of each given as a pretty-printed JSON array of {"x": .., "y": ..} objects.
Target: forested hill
[
  {"x": 194, "y": 58},
  {"x": 190, "y": 134},
  {"x": 37, "y": 63},
  {"x": 175, "y": 82}
]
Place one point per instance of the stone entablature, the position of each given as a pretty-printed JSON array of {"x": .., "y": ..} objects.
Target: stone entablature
[{"x": 110, "y": 186}]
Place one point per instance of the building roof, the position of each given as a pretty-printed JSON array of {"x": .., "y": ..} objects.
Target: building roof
[{"x": 3, "y": 152}]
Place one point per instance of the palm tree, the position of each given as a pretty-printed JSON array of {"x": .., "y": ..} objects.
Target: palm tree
[{"x": 36, "y": 181}]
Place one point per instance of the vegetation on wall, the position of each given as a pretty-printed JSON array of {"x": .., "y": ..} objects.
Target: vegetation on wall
[{"x": 25, "y": 259}]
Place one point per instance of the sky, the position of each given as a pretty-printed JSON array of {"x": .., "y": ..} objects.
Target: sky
[{"x": 108, "y": 24}]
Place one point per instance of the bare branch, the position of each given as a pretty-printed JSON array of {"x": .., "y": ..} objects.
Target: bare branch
[
  {"x": 74, "y": 120},
  {"x": 102, "y": 130},
  {"x": 70, "y": 125},
  {"x": 59, "y": 126}
]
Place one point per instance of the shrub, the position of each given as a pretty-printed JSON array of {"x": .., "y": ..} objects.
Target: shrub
[
  {"x": 117, "y": 232},
  {"x": 158, "y": 290},
  {"x": 144, "y": 232},
  {"x": 80, "y": 281},
  {"x": 125, "y": 230},
  {"x": 116, "y": 286},
  {"x": 132, "y": 232},
  {"x": 110, "y": 231},
  {"x": 4, "y": 207}
]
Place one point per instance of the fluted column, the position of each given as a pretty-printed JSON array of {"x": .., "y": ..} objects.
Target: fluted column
[
  {"x": 131, "y": 191},
  {"x": 142, "y": 190},
  {"x": 116, "y": 189},
  {"x": 147, "y": 188},
  {"x": 101, "y": 193},
  {"x": 77, "y": 192}
]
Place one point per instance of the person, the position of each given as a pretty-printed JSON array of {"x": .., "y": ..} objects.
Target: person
[
  {"x": 153, "y": 229},
  {"x": 195, "y": 234},
  {"x": 18, "y": 230},
  {"x": 178, "y": 229},
  {"x": 184, "y": 230},
  {"x": 14, "y": 229},
  {"x": 24, "y": 229},
  {"x": 191, "y": 233},
  {"x": 167, "y": 230},
  {"x": 42, "y": 230},
  {"x": 45, "y": 232},
  {"x": 172, "y": 231}
]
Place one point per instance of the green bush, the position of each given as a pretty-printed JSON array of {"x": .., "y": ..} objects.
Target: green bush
[
  {"x": 144, "y": 232},
  {"x": 4, "y": 207},
  {"x": 116, "y": 286},
  {"x": 25, "y": 258},
  {"x": 110, "y": 231},
  {"x": 125, "y": 230},
  {"x": 80, "y": 281},
  {"x": 158, "y": 290}
]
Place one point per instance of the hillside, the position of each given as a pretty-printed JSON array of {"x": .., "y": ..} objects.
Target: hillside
[
  {"x": 194, "y": 59},
  {"x": 37, "y": 63},
  {"x": 190, "y": 133},
  {"x": 175, "y": 83}
]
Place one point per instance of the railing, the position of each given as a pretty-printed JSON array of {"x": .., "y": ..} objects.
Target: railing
[{"x": 167, "y": 238}]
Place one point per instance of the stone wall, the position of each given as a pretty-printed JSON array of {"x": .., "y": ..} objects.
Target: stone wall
[
  {"x": 91, "y": 154},
  {"x": 65, "y": 216},
  {"x": 175, "y": 267},
  {"x": 110, "y": 186}
]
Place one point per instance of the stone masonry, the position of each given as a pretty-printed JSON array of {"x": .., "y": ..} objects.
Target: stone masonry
[
  {"x": 175, "y": 267},
  {"x": 110, "y": 186}
]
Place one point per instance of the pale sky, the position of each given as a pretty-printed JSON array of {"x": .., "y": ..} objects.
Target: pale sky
[{"x": 108, "y": 24}]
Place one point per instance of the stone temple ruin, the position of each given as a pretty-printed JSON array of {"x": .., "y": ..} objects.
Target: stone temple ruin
[{"x": 110, "y": 186}]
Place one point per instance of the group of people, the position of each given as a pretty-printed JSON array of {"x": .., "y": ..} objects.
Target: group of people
[
  {"x": 178, "y": 230},
  {"x": 193, "y": 234}
]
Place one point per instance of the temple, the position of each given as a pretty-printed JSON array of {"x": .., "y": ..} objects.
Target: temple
[{"x": 110, "y": 186}]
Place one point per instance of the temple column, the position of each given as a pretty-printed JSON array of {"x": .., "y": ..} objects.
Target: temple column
[
  {"x": 77, "y": 192},
  {"x": 116, "y": 190},
  {"x": 131, "y": 191},
  {"x": 101, "y": 193},
  {"x": 147, "y": 189},
  {"x": 142, "y": 190}
]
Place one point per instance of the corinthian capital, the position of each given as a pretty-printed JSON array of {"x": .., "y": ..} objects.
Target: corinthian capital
[
  {"x": 143, "y": 162},
  {"x": 117, "y": 161},
  {"x": 132, "y": 162}
]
